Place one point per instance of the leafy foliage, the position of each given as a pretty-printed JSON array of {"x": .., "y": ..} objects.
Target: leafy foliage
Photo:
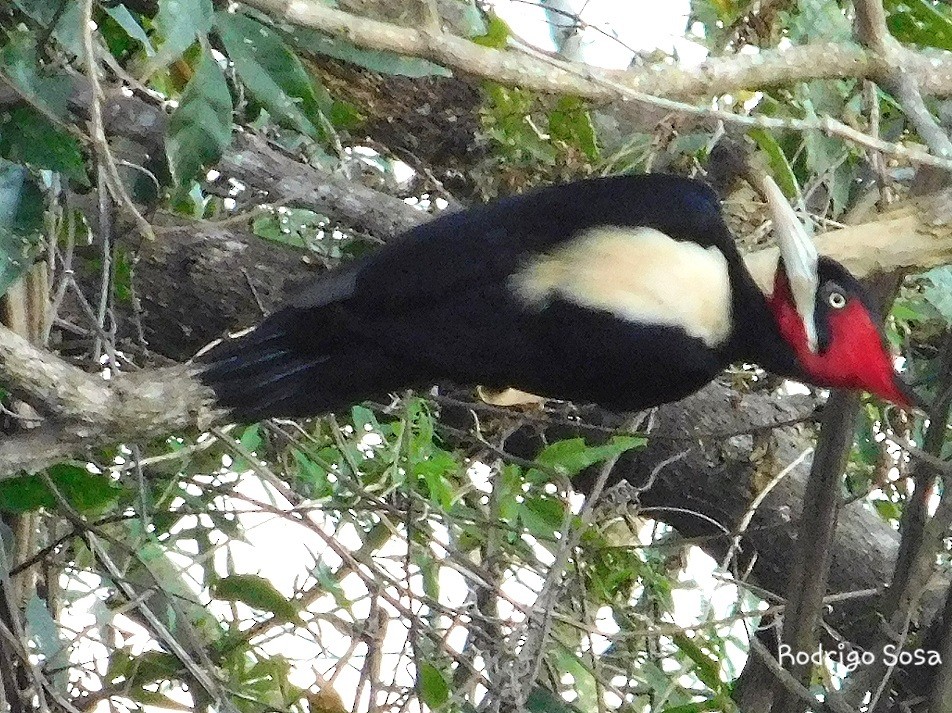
[
  {"x": 20, "y": 219},
  {"x": 200, "y": 128},
  {"x": 82, "y": 490},
  {"x": 389, "y": 555}
]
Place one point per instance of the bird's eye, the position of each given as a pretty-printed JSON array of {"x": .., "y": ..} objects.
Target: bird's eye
[{"x": 837, "y": 300}]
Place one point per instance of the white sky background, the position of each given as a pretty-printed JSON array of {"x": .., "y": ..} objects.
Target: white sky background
[{"x": 626, "y": 26}]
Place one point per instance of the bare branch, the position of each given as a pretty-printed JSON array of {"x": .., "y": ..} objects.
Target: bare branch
[
  {"x": 872, "y": 32},
  {"x": 815, "y": 536},
  {"x": 97, "y": 131},
  {"x": 253, "y": 162},
  {"x": 792, "y": 685},
  {"x": 913, "y": 235},
  {"x": 940, "y": 697},
  {"x": 715, "y": 76},
  {"x": 871, "y": 24},
  {"x": 90, "y": 411}
]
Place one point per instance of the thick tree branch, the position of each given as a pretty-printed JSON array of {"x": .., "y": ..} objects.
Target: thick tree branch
[
  {"x": 816, "y": 535},
  {"x": 88, "y": 411},
  {"x": 713, "y": 77},
  {"x": 253, "y": 162},
  {"x": 940, "y": 697},
  {"x": 914, "y": 235},
  {"x": 873, "y": 33}
]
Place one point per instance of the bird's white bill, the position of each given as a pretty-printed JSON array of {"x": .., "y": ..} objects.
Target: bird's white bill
[{"x": 799, "y": 257}]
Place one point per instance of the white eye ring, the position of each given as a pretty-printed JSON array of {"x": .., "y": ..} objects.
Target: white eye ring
[{"x": 836, "y": 300}]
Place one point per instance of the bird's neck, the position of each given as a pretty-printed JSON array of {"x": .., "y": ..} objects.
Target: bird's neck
[{"x": 756, "y": 337}]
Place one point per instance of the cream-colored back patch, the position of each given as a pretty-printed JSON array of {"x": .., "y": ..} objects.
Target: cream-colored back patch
[{"x": 640, "y": 275}]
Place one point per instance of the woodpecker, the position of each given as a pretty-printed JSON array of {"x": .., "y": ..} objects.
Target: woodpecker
[{"x": 625, "y": 291}]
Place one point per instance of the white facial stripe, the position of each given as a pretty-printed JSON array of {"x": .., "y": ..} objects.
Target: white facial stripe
[{"x": 640, "y": 275}]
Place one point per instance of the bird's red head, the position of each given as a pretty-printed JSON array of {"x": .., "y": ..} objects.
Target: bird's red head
[{"x": 851, "y": 350}]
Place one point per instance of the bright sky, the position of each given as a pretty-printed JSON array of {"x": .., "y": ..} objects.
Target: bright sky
[{"x": 615, "y": 29}]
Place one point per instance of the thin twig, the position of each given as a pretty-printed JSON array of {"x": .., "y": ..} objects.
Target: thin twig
[
  {"x": 872, "y": 31},
  {"x": 792, "y": 685},
  {"x": 821, "y": 503},
  {"x": 97, "y": 128},
  {"x": 756, "y": 502}
]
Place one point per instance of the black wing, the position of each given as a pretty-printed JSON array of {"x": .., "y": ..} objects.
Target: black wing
[
  {"x": 439, "y": 304},
  {"x": 487, "y": 242}
]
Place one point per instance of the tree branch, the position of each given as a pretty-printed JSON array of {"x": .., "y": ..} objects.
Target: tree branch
[
  {"x": 89, "y": 411},
  {"x": 815, "y": 537},
  {"x": 657, "y": 85},
  {"x": 717, "y": 75},
  {"x": 872, "y": 32},
  {"x": 253, "y": 162}
]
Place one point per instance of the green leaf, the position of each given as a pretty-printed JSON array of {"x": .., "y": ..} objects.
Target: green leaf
[
  {"x": 507, "y": 119},
  {"x": 712, "y": 704},
  {"x": 251, "y": 439},
  {"x": 51, "y": 92},
  {"x": 472, "y": 20},
  {"x": 155, "y": 699},
  {"x": 151, "y": 666},
  {"x": 43, "y": 630},
  {"x": 271, "y": 72},
  {"x": 21, "y": 219},
  {"x": 542, "y": 700},
  {"x": 83, "y": 490},
  {"x": 542, "y": 516},
  {"x": 706, "y": 668},
  {"x": 122, "y": 275},
  {"x": 433, "y": 688},
  {"x": 257, "y": 592},
  {"x": 297, "y": 227},
  {"x": 125, "y": 20},
  {"x": 67, "y": 16},
  {"x": 180, "y": 23},
  {"x": 780, "y": 167},
  {"x": 571, "y": 122},
  {"x": 344, "y": 115},
  {"x": 920, "y": 22},
  {"x": 497, "y": 33},
  {"x": 314, "y": 42},
  {"x": 29, "y": 138},
  {"x": 888, "y": 510},
  {"x": 572, "y": 455},
  {"x": 434, "y": 470},
  {"x": 314, "y": 475},
  {"x": 200, "y": 128},
  {"x": 364, "y": 419},
  {"x": 818, "y": 21},
  {"x": 938, "y": 292},
  {"x": 42, "y": 627}
]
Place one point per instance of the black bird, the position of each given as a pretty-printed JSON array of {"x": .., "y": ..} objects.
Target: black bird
[{"x": 625, "y": 291}]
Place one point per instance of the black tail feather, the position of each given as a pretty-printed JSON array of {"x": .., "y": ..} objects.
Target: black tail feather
[
  {"x": 298, "y": 363},
  {"x": 270, "y": 371}
]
